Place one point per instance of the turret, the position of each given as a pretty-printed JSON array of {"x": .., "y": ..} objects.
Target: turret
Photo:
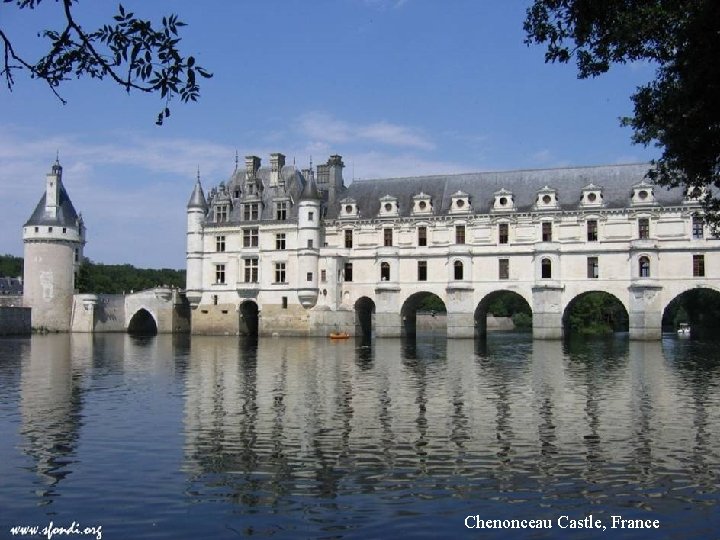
[
  {"x": 54, "y": 238},
  {"x": 196, "y": 210},
  {"x": 308, "y": 242}
]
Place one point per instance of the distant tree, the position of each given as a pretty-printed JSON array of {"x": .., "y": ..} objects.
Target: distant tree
[
  {"x": 679, "y": 110},
  {"x": 596, "y": 313},
  {"x": 118, "y": 278},
  {"x": 130, "y": 51},
  {"x": 11, "y": 266},
  {"x": 432, "y": 303}
]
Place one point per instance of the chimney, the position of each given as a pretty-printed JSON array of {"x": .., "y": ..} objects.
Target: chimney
[
  {"x": 252, "y": 164},
  {"x": 335, "y": 179},
  {"x": 277, "y": 162}
]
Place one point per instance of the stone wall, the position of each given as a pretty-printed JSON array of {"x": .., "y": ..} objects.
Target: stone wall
[
  {"x": 11, "y": 300},
  {"x": 14, "y": 321}
]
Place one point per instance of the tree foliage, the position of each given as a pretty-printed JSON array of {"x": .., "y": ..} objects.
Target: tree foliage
[
  {"x": 678, "y": 111},
  {"x": 698, "y": 307},
  {"x": 596, "y": 313},
  {"x": 119, "y": 278},
  {"x": 11, "y": 266},
  {"x": 130, "y": 51}
]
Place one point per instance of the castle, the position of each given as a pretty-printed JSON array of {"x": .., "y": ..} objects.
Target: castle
[{"x": 279, "y": 251}]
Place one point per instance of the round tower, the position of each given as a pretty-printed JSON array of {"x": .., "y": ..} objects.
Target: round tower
[
  {"x": 196, "y": 210},
  {"x": 53, "y": 238},
  {"x": 308, "y": 242}
]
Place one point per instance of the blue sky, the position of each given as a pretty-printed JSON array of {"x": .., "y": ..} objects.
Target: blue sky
[{"x": 397, "y": 87}]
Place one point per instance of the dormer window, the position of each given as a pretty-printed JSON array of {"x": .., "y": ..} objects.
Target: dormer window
[
  {"x": 591, "y": 196},
  {"x": 422, "y": 204},
  {"x": 643, "y": 194},
  {"x": 388, "y": 206},
  {"x": 460, "y": 203},
  {"x": 348, "y": 208},
  {"x": 546, "y": 199},
  {"x": 695, "y": 194},
  {"x": 504, "y": 201},
  {"x": 221, "y": 213}
]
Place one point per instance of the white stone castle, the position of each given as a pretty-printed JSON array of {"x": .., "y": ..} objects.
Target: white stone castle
[{"x": 279, "y": 251}]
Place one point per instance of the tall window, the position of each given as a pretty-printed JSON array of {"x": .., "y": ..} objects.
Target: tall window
[
  {"x": 384, "y": 271},
  {"x": 458, "y": 270},
  {"x": 220, "y": 274},
  {"x": 348, "y": 238},
  {"x": 698, "y": 265},
  {"x": 221, "y": 213},
  {"x": 279, "y": 272},
  {"x": 422, "y": 270},
  {"x": 280, "y": 241},
  {"x": 281, "y": 210},
  {"x": 593, "y": 268},
  {"x": 311, "y": 216},
  {"x": 504, "y": 269},
  {"x": 310, "y": 243},
  {"x": 698, "y": 227},
  {"x": 503, "y": 233},
  {"x": 422, "y": 236},
  {"x": 546, "y": 269},
  {"x": 643, "y": 228},
  {"x": 250, "y": 237},
  {"x": 644, "y": 267},
  {"x": 309, "y": 276},
  {"x": 219, "y": 243},
  {"x": 323, "y": 276},
  {"x": 592, "y": 230},
  {"x": 251, "y": 211},
  {"x": 348, "y": 272},
  {"x": 251, "y": 270},
  {"x": 459, "y": 234},
  {"x": 546, "y": 231},
  {"x": 387, "y": 237}
]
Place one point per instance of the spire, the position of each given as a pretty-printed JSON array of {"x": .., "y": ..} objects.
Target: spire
[
  {"x": 197, "y": 199},
  {"x": 237, "y": 160},
  {"x": 310, "y": 191}
]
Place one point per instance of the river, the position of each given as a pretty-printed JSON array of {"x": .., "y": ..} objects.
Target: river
[{"x": 217, "y": 437}]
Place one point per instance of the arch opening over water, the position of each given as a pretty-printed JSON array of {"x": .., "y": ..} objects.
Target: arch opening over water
[
  {"x": 508, "y": 311},
  {"x": 595, "y": 313},
  {"x": 249, "y": 318},
  {"x": 364, "y": 317},
  {"x": 698, "y": 308},
  {"x": 423, "y": 312},
  {"x": 142, "y": 324}
]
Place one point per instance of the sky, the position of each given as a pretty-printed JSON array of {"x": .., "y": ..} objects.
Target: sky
[{"x": 396, "y": 87}]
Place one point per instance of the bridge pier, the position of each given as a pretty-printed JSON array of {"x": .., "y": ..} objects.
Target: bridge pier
[
  {"x": 645, "y": 311},
  {"x": 388, "y": 325},
  {"x": 460, "y": 325},
  {"x": 547, "y": 311}
]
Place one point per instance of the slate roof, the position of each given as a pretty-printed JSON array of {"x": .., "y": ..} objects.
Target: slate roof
[
  {"x": 616, "y": 182},
  {"x": 197, "y": 198},
  {"x": 66, "y": 214},
  {"x": 11, "y": 286}
]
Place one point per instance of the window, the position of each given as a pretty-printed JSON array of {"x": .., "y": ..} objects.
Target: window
[
  {"x": 384, "y": 271},
  {"x": 215, "y": 299},
  {"x": 64, "y": 230},
  {"x": 422, "y": 270},
  {"x": 284, "y": 302},
  {"x": 281, "y": 210},
  {"x": 348, "y": 238},
  {"x": 221, "y": 213},
  {"x": 698, "y": 226},
  {"x": 220, "y": 274},
  {"x": 250, "y": 237},
  {"x": 251, "y": 211},
  {"x": 504, "y": 269},
  {"x": 458, "y": 270},
  {"x": 643, "y": 228},
  {"x": 459, "y": 234},
  {"x": 50, "y": 229},
  {"x": 77, "y": 255},
  {"x": 644, "y": 267},
  {"x": 219, "y": 243},
  {"x": 37, "y": 229},
  {"x": 387, "y": 237},
  {"x": 348, "y": 271},
  {"x": 323, "y": 275},
  {"x": 422, "y": 236},
  {"x": 592, "y": 230},
  {"x": 698, "y": 265},
  {"x": 251, "y": 270},
  {"x": 546, "y": 231},
  {"x": 309, "y": 276},
  {"x": 503, "y": 233},
  {"x": 311, "y": 216},
  {"x": 593, "y": 268},
  {"x": 280, "y": 241},
  {"x": 279, "y": 272},
  {"x": 546, "y": 269},
  {"x": 310, "y": 243}
]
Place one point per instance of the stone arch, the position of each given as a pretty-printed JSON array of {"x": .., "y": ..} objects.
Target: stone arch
[
  {"x": 603, "y": 313},
  {"x": 249, "y": 318},
  {"x": 422, "y": 301},
  {"x": 697, "y": 306},
  {"x": 142, "y": 323},
  {"x": 519, "y": 304},
  {"x": 364, "y": 317}
]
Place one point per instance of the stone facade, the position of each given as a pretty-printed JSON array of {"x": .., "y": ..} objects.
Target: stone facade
[{"x": 303, "y": 254}]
